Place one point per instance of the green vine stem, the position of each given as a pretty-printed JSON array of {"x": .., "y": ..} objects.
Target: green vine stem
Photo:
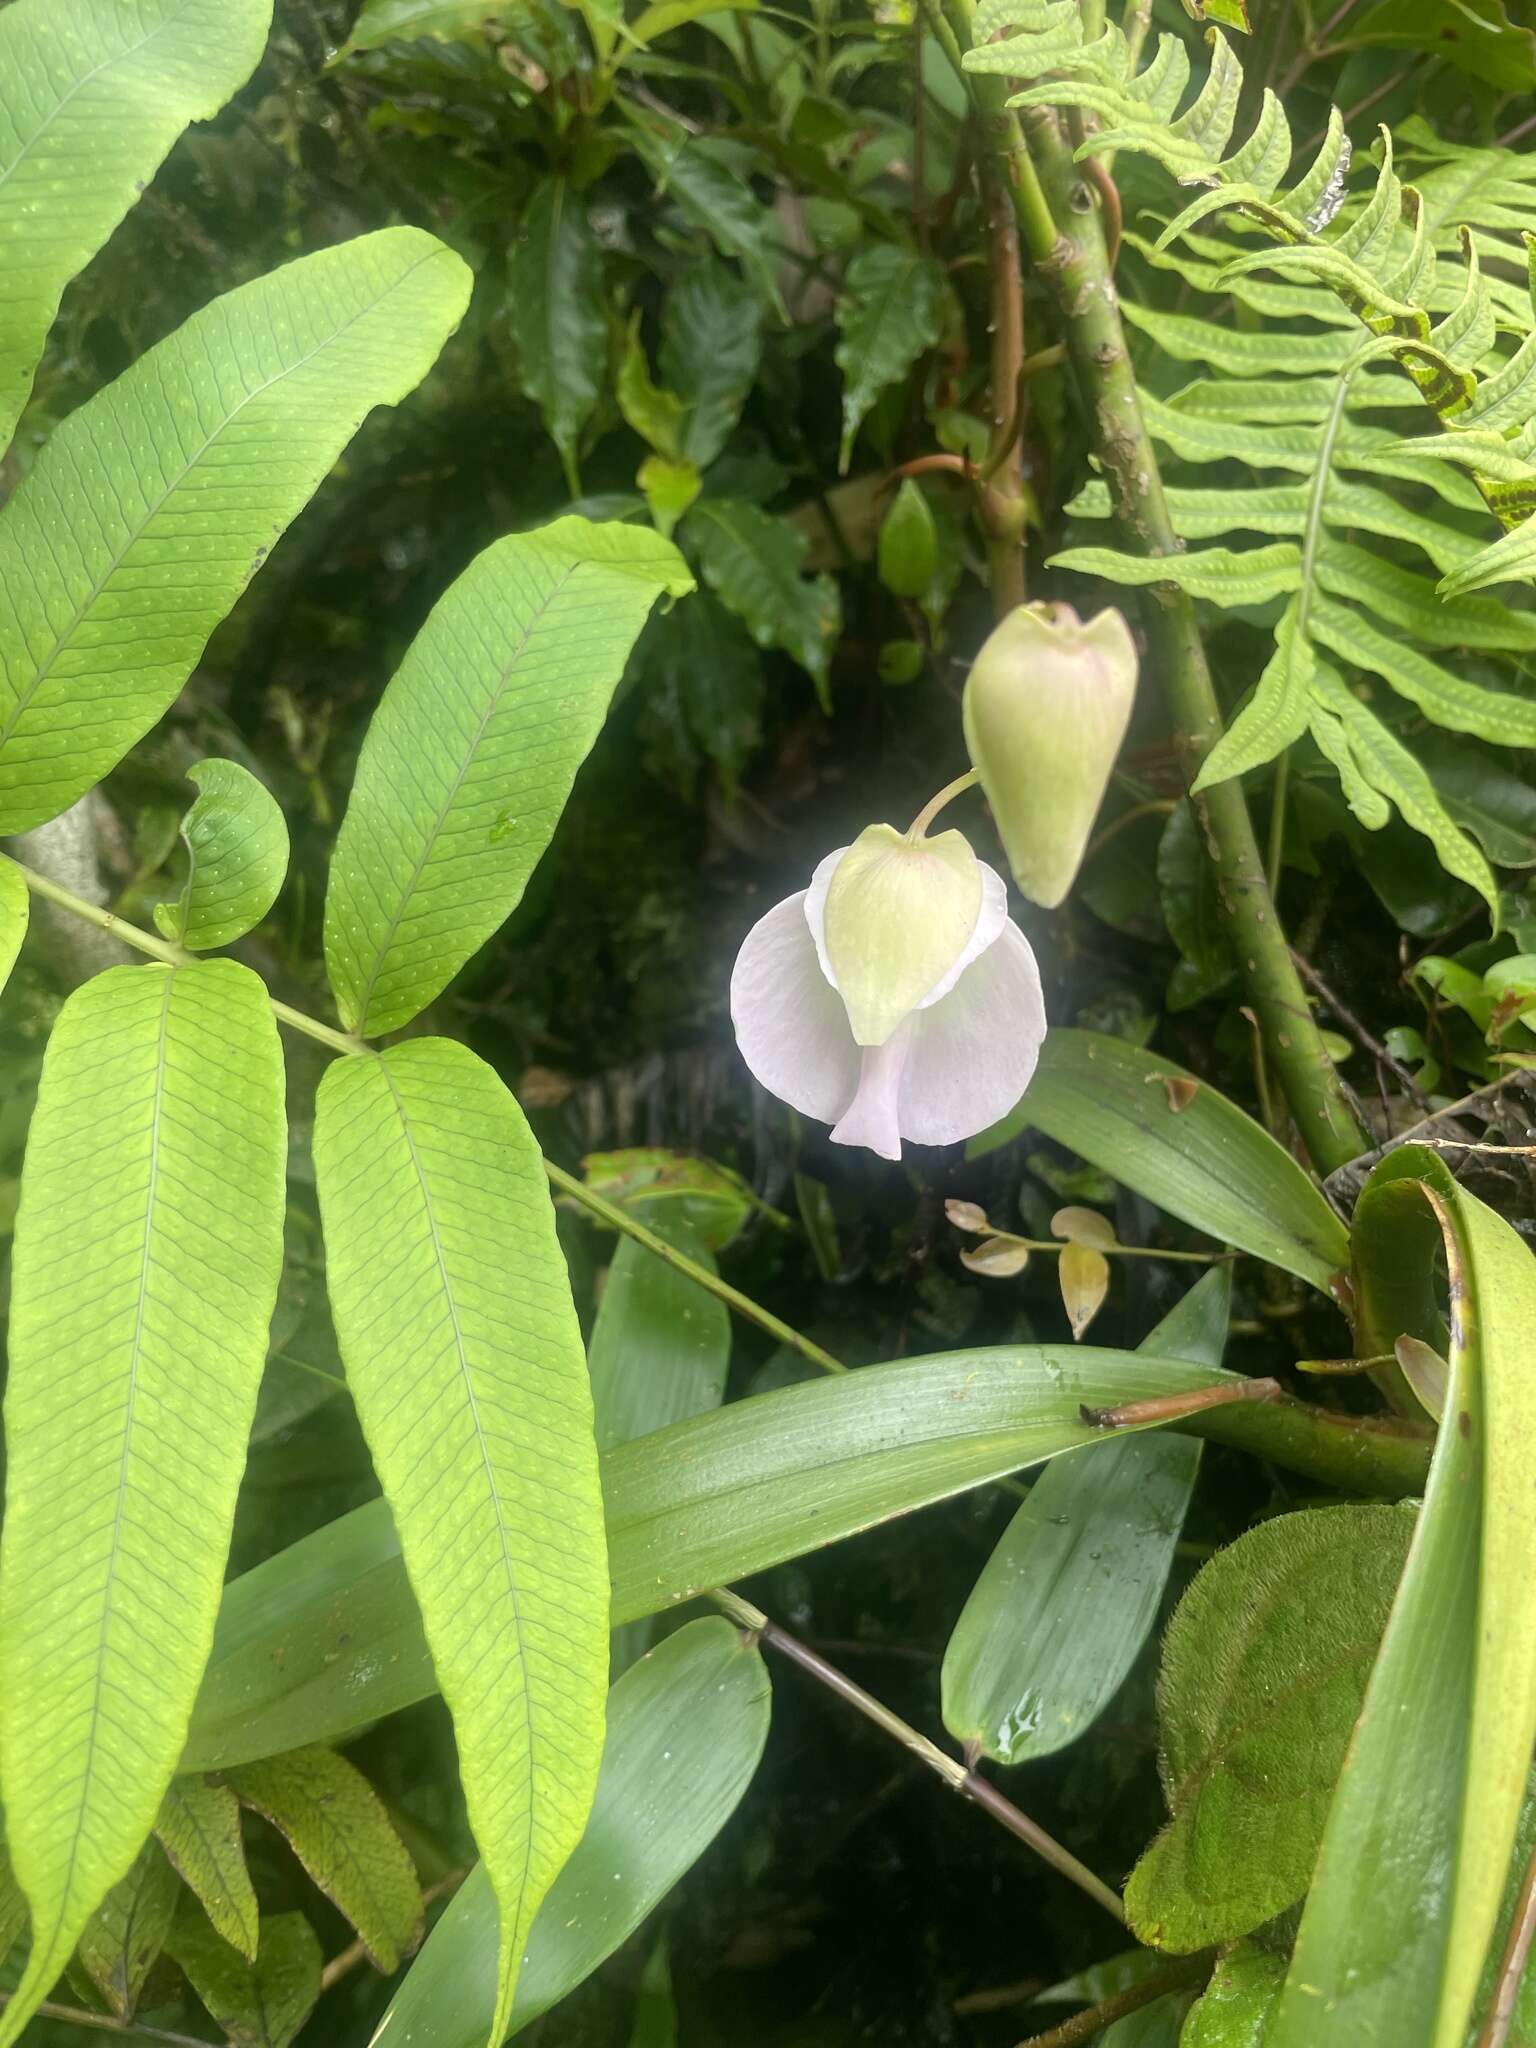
[{"x": 1061, "y": 233}]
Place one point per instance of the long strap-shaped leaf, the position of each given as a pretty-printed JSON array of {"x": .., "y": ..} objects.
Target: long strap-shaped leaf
[
  {"x": 148, "y": 1249},
  {"x": 150, "y": 508},
  {"x": 325, "y": 1636},
  {"x": 472, "y": 752},
  {"x": 465, "y": 1361},
  {"x": 1409, "y": 1881},
  {"x": 92, "y": 95},
  {"x": 660, "y": 1803}
]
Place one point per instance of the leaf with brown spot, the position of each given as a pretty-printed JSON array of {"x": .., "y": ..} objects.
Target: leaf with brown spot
[{"x": 1084, "y": 1279}]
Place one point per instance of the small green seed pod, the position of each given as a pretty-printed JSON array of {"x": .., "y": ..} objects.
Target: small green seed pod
[
  {"x": 1046, "y": 706},
  {"x": 909, "y": 543}
]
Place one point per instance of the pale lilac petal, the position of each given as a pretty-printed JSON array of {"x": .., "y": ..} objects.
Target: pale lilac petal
[
  {"x": 816, "y": 908},
  {"x": 970, "y": 1057},
  {"x": 990, "y": 920},
  {"x": 871, "y": 1119},
  {"x": 790, "y": 1022}
]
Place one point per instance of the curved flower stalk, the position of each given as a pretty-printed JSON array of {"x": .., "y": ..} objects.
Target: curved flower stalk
[{"x": 894, "y": 998}]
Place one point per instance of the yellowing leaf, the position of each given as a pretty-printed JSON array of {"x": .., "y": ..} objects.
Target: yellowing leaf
[
  {"x": 1084, "y": 1276},
  {"x": 996, "y": 1258}
]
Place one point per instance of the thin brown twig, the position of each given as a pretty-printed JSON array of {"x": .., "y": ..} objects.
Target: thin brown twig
[
  {"x": 958, "y": 1776},
  {"x": 1176, "y": 1407},
  {"x": 105, "y": 2023},
  {"x": 1083, "y": 2026},
  {"x": 1501, "y": 2013},
  {"x": 1358, "y": 1031}
]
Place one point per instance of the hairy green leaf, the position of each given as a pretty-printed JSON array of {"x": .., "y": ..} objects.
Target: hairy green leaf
[
  {"x": 752, "y": 562},
  {"x": 151, "y": 507},
  {"x": 471, "y": 755},
  {"x": 1264, "y": 1666},
  {"x": 199, "y": 1829},
  {"x": 92, "y": 95},
  {"x": 1201, "y": 1158},
  {"x": 660, "y": 1346},
  {"x": 557, "y": 316},
  {"x": 465, "y": 1361},
  {"x": 1068, "y": 1597},
  {"x": 147, "y": 1255},
  {"x": 340, "y": 1832},
  {"x": 1427, "y": 1808},
  {"x": 122, "y": 1940},
  {"x": 261, "y": 2004},
  {"x": 237, "y": 856},
  {"x": 686, "y": 1726},
  {"x": 888, "y": 315},
  {"x": 15, "y": 910}
]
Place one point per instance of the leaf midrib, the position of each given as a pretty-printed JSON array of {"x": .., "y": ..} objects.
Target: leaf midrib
[{"x": 25, "y": 696}]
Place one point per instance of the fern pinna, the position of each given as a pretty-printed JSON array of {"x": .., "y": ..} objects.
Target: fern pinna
[{"x": 1292, "y": 423}]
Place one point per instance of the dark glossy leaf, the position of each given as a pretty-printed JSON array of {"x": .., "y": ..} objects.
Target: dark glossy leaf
[
  {"x": 261, "y": 2004},
  {"x": 199, "y": 1829},
  {"x": 660, "y": 1346},
  {"x": 711, "y": 342},
  {"x": 556, "y": 315},
  {"x": 752, "y": 562},
  {"x": 124, "y": 1936}
]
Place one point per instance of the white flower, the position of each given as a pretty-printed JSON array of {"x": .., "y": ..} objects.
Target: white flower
[{"x": 957, "y": 1056}]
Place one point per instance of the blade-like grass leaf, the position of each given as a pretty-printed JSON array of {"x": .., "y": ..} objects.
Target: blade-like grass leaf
[
  {"x": 153, "y": 505},
  {"x": 1412, "y": 1869},
  {"x": 471, "y": 755},
  {"x": 465, "y": 1361},
  {"x": 325, "y": 1636},
  {"x": 92, "y": 95},
  {"x": 148, "y": 1249},
  {"x": 660, "y": 1802}
]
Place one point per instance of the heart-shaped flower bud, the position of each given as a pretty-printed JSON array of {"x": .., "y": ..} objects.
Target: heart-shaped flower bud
[
  {"x": 899, "y": 914},
  {"x": 1047, "y": 703}
]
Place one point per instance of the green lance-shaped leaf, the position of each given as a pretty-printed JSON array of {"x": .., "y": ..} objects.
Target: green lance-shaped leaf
[
  {"x": 151, "y": 507},
  {"x": 686, "y": 1727},
  {"x": 340, "y": 1832},
  {"x": 199, "y": 1829},
  {"x": 1068, "y": 1597},
  {"x": 465, "y": 1361},
  {"x": 257, "y": 2005},
  {"x": 1277, "y": 712},
  {"x": 890, "y": 312},
  {"x": 402, "y": 21},
  {"x": 660, "y": 1347},
  {"x": 711, "y": 342},
  {"x": 122, "y": 1940},
  {"x": 1425, "y": 1814},
  {"x": 1174, "y": 1139},
  {"x": 325, "y": 1636},
  {"x": 471, "y": 755},
  {"x": 1223, "y": 576},
  {"x": 557, "y": 317},
  {"x": 92, "y": 95},
  {"x": 237, "y": 856},
  {"x": 752, "y": 562},
  {"x": 15, "y": 909},
  {"x": 148, "y": 1249},
  {"x": 1264, "y": 1667}
]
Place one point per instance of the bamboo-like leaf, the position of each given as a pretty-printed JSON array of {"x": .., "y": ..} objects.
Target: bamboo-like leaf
[
  {"x": 325, "y": 1636},
  {"x": 465, "y": 1361},
  {"x": 257, "y": 2005},
  {"x": 889, "y": 314},
  {"x": 1205, "y": 1161},
  {"x": 471, "y": 755},
  {"x": 147, "y": 1255},
  {"x": 92, "y": 95},
  {"x": 1069, "y": 1596},
  {"x": 340, "y": 1832},
  {"x": 152, "y": 506},
  {"x": 686, "y": 1726},
  {"x": 122, "y": 1940},
  {"x": 237, "y": 856},
  {"x": 660, "y": 1347},
  {"x": 199, "y": 1829},
  {"x": 1425, "y": 1814},
  {"x": 15, "y": 909}
]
